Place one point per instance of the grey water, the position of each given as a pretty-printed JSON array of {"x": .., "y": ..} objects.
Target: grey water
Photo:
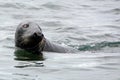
[{"x": 91, "y": 26}]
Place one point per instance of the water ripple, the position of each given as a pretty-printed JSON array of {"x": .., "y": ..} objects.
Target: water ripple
[
  {"x": 52, "y": 23},
  {"x": 52, "y": 6},
  {"x": 106, "y": 68},
  {"x": 25, "y": 65},
  {"x": 115, "y": 11},
  {"x": 98, "y": 46},
  {"x": 10, "y": 5}
]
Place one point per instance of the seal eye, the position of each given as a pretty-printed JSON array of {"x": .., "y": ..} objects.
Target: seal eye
[{"x": 26, "y": 25}]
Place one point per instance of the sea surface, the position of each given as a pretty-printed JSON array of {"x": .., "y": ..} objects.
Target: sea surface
[{"x": 91, "y": 26}]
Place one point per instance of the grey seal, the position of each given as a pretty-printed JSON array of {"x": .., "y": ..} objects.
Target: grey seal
[{"x": 29, "y": 36}]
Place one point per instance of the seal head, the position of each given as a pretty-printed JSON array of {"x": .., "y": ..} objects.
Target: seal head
[{"x": 29, "y": 36}]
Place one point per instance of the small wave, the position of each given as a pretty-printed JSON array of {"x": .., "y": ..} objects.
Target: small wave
[
  {"x": 98, "y": 46},
  {"x": 52, "y": 23},
  {"x": 112, "y": 26},
  {"x": 115, "y": 11},
  {"x": 52, "y": 6},
  {"x": 106, "y": 68},
  {"x": 10, "y": 5},
  {"x": 20, "y": 16},
  {"x": 32, "y": 64},
  {"x": 20, "y": 6}
]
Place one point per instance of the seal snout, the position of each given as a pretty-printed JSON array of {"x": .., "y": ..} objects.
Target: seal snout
[{"x": 38, "y": 34}]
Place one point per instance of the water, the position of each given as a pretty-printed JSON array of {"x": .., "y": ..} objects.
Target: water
[{"x": 92, "y": 26}]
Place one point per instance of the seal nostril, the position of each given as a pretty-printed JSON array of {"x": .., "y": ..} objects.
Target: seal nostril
[
  {"x": 42, "y": 35},
  {"x": 37, "y": 34},
  {"x": 26, "y": 25}
]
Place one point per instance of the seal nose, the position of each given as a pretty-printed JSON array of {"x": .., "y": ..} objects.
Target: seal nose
[{"x": 37, "y": 34}]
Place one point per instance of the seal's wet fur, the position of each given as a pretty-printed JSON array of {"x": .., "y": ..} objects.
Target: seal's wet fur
[{"x": 29, "y": 37}]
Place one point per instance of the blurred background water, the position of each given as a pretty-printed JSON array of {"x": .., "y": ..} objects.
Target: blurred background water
[{"x": 91, "y": 26}]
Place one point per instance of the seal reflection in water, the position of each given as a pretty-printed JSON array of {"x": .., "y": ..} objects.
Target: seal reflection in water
[{"x": 29, "y": 37}]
